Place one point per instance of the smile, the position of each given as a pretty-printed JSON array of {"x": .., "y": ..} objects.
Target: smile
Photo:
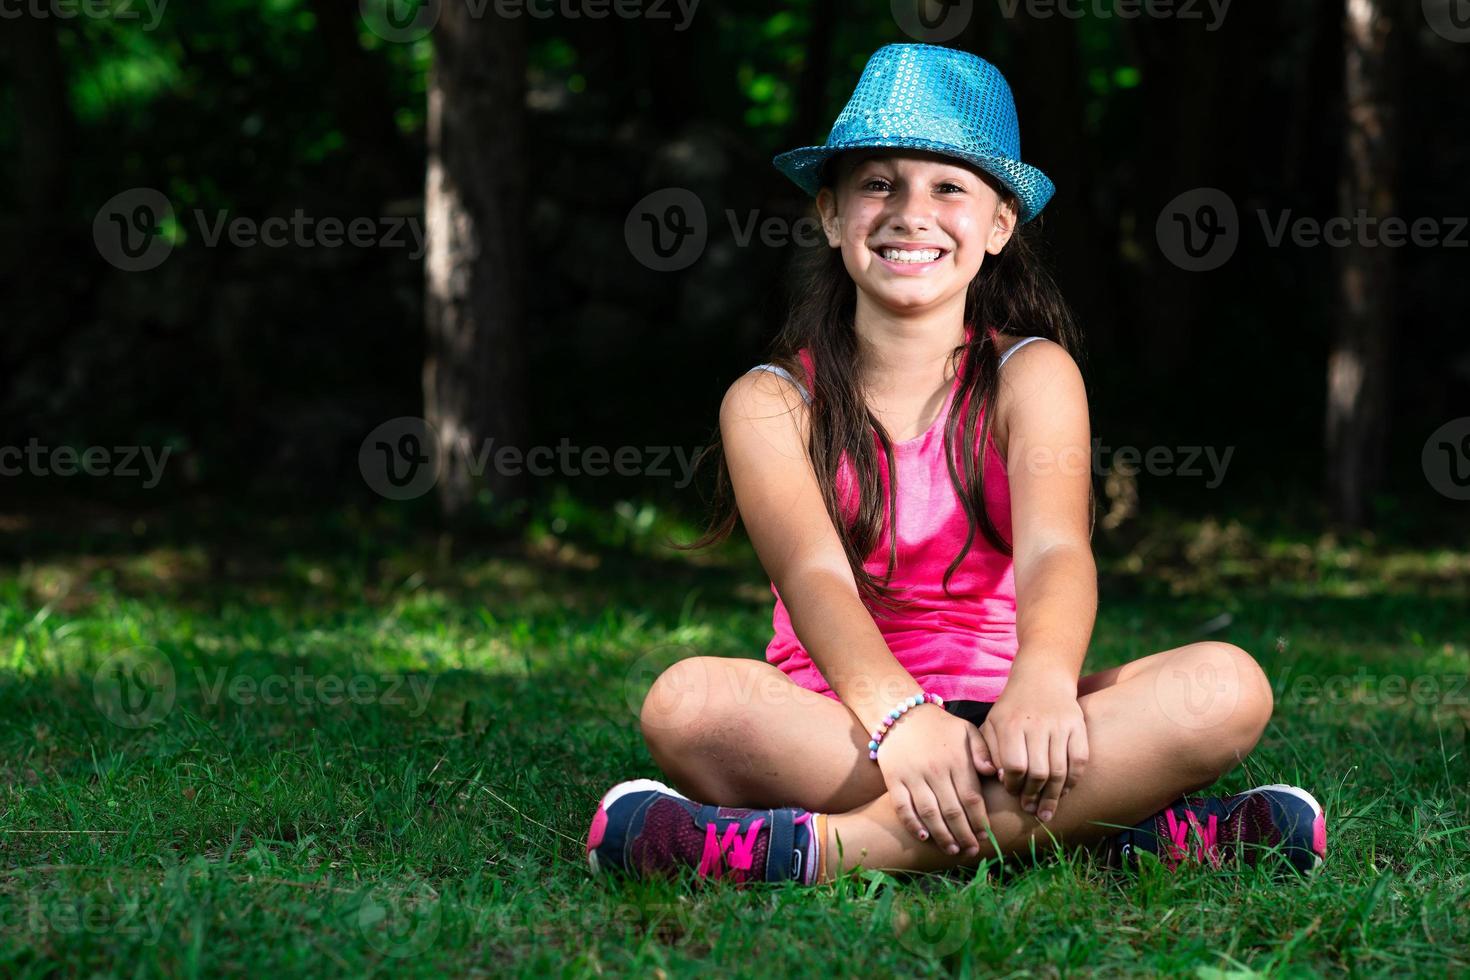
[{"x": 910, "y": 261}]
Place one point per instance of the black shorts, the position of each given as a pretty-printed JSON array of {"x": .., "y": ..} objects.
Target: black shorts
[{"x": 971, "y": 711}]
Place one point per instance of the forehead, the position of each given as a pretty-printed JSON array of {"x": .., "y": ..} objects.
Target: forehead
[{"x": 897, "y": 156}]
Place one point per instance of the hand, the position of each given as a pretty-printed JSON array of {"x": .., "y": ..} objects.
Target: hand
[
  {"x": 929, "y": 760},
  {"x": 1036, "y": 740}
]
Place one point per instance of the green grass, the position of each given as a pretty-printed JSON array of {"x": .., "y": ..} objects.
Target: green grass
[{"x": 431, "y": 824}]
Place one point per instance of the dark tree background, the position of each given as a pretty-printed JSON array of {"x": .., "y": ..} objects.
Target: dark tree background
[{"x": 519, "y": 147}]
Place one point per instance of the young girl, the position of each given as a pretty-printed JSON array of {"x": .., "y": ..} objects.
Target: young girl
[{"x": 920, "y": 707}]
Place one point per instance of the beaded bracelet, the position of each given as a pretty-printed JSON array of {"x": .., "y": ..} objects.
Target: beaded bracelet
[{"x": 891, "y": 719}]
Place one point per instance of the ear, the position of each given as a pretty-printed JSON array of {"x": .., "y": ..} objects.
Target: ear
[
  {"x": 831, "y": 224},
  {"x": 1004, "y": 227}
]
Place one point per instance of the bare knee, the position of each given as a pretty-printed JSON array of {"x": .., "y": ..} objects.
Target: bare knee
[
  {"x": 1220, "y": 697},
  {"x": 691, "y": 724}
]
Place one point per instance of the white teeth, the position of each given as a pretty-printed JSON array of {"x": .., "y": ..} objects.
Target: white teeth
[{"x": 901, "y": 255}]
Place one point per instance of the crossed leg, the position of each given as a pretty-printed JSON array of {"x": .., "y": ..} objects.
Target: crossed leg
[{"x": 740, "y": 733}]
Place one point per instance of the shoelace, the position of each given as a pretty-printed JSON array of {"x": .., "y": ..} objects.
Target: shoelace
[
  {"x": 741, "y": 850},
  {"x": 736, "y": 852},
  {"x": 1207, "y": 848}
]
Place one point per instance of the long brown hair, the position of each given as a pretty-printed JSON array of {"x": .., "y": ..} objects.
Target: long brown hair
[{"x": 1012, "y": 293}]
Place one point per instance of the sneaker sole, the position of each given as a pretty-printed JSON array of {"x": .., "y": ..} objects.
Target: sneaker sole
[
  {"x": 1319, "y": 819},
  {"x": 599, "y": 819}
]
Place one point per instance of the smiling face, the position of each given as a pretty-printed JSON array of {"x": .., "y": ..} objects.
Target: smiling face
[{"x": 914, "y": 227}]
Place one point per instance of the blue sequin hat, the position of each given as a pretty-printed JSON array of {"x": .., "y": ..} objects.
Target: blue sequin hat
[{"x": 924, "y": 97}]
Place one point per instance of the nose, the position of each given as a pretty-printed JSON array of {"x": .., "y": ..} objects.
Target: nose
[{"x": 909, "y": 211}]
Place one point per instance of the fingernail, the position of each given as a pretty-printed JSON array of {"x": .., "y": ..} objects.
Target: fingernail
[
  {"x": 1030, "y": 807},
  {"x": 923, "y": 835},
  {"x": 954, "y": 849},
  {"x": 1046, "y": 814},
  {"x": 972, "y": 851},
  {"x": 1001, "y": 773}
]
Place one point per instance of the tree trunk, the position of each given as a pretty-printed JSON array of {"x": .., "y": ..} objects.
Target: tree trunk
[
  {"x": 1357, "y": 369},
  {"x": 475, "y": 218},
  {"x": 33, "y": 67}
]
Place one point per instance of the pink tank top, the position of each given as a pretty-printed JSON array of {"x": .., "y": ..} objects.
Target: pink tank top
[{"x": 959, "y": 646}]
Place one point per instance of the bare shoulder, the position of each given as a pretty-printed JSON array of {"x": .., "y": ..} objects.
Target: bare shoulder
[
  {"x": 765, "y": 402},
  {"x": 1040, "y": 377}
]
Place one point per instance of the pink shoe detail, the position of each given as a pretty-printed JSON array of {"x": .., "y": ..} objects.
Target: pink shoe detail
[
  {"x": 1319, "y": 835},
  {"x": 599, "y": 828}
]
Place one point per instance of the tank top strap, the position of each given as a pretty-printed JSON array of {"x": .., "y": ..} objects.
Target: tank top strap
[
  {"x": 781, "y": 372},
  {"x": 1015, "y": 348}
]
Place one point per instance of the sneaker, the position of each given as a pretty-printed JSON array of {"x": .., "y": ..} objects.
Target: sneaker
[
  {"x": 644, "y": 828},
  {"x": 1246, "y": 827}
]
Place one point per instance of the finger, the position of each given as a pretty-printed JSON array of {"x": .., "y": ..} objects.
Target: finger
[
  {"x": 1051, "y": 793},
  {"x": 968, "y": 790},
  {"x": 980, "y": 753},
  {"x": 991, "y": 738},
  {"x": 1038, "y": 768},
  {"x": 929, "y": 812},
  {"x": 956, "y": 813},
  {"x": 1013, "y": 760},
  {"x": 903, "y": 806},
  {"x": 1077, "y": 753}
]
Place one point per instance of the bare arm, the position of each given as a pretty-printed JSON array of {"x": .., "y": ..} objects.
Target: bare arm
[
  {"x": 1035, "y": 734},
  {"x": 1048, "y": 466},
  {"x": 764, "y": 426}
]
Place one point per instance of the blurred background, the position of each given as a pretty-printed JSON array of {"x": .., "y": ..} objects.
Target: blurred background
[
  {"x": 255, "y": 240},
  {"x": 365, "y": 347}
]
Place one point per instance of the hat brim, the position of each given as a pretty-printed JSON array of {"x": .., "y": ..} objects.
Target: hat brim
[{"x": 1033, "y": 189}]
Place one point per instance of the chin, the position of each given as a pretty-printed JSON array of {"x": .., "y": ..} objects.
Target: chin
[{"x": 903, "y": 300}]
